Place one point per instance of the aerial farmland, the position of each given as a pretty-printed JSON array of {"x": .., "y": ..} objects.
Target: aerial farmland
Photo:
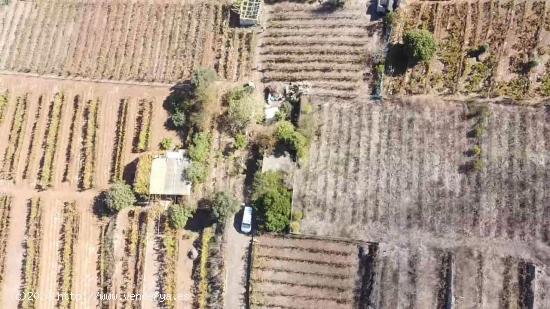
[{"x": 275, "y": 154}]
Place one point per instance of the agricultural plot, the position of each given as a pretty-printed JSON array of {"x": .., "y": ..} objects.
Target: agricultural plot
[
  {"x": 64, "y": 135},
  {"x": 306, "y": 272},
  {"x": 153, "y": 42},
  {"x": 514, "y": 34},
  {"x": 331, "y": 52},
  {"x": 441, "y": 169}
]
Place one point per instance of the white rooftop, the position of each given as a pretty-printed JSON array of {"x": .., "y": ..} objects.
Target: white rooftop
[{"x": 168, "y": 174}]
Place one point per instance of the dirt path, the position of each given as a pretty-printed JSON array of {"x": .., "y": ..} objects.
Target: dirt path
[
  {"x": 49, "y": 252},
  {"x": 86, "y": 256},
  {"x": 184, "y": 276},
  {"x": 236, "y": 255},
  {"x": 14, "y": 260}
]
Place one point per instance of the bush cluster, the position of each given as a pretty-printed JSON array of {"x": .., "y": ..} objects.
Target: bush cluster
[
  {"x": 199, "y": 151},
  {"x": 223, "y": 206},
  {"x": 178, "y": 215},
  {"x": 272, "y": 201},
  {"x": 286, "y": 132},
  {"x": 244, "y": 109},
  {"x": 420, "y": 45},
  {"x": 196, "y": 108},
  {"x": 119, "y": 196}
]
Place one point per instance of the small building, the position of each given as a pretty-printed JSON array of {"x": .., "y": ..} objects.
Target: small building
[
  {"x": 249, "y": 12},
  {"x": 168, "y": 174},
  {"x": 282, "y": 163}
]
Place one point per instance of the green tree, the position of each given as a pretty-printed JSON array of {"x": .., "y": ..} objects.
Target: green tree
[
  {"x": 197, "y": 172},
  {"x": 287, "y": 133},
  {"x": 166, "y": 144},
  {"x": 199, "y": 150},
  {"x": 178, "y": 119},
  {"x": 119, "y": 196},
  {"x": 178, "y": 215},
  {"x": 223, "y": 206},
  {"x": 240, "y": 141},
  {"x": 272, "y": 201},
  {"x": 202, "y": 78},
  {"x": 244, "y": 109},
  {"x": 273, "y": 209},
  {"x": 420, "y": 45}
]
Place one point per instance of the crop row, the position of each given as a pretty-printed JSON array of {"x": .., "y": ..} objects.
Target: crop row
[
  {"x": 105, "y": 260},
  {"x": 169, "y": 256},
  {"x": 5, "y": 208},
  {"x": 31, "y": 259},
  {"x": 69, "y": 236},
  {"x": 134, "y": 255},
  {"x": 3, "y": 106},
  {"x": 142, "y": 137},
  {"x": 49, "y": 144},
  {"x": 17, "y": 131},
  {"x": 88, "y": 151},
  {"x": 77, "y": 110},
  {"x": 33, "y": 145},
  {"x": 120, "y": 140}
]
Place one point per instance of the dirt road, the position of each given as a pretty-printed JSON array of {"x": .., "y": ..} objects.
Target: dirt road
[{"x": 237, "y": 247}]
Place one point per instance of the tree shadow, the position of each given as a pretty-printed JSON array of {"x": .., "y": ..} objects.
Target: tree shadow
[
  {"x": 398, "y": 60},
  {"x": 129, "y": 172},
  {"x": 99, "y": 207},
  {"x": 201, "y": 219},
  {"x": 179, "y": 93}
]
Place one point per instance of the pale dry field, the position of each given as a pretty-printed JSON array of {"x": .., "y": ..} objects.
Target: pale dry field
[{"x": 160, "y": 41}]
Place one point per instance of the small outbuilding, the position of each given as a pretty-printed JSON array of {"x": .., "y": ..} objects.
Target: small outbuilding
[
  {"x": 168, "y": 174},
  {"x": 282, "y": 163},
  {"x": 249, "y": 12}
]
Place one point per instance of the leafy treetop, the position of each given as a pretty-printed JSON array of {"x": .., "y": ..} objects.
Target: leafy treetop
[
  {"x": 119, "y": 196},
  {"x": 420, "y": 45}
]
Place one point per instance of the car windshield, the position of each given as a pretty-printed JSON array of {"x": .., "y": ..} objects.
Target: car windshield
[{"x": 246, "y": 225}]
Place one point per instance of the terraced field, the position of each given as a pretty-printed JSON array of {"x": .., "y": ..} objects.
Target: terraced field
[
  {"x": 306, "y": 272},
  {"x": 329, "y": 51},
  {"x": 441, "y": 168},
  {"x": 158, "y": 42}
]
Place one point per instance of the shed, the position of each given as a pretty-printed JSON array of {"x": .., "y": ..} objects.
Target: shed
[
  {"x": 282, "y": 163},
  {"x": 249, "y": 12},
  {"x": 168, "y": 174}
]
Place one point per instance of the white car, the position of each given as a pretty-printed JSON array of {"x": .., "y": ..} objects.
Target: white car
[{"x": 246, "y": 224}]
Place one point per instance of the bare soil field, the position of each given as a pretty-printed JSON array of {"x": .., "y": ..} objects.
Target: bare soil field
[
  {"x": 329, "y": 51},
  {"x": 442, "y": 168},
  {"x": 465, "y": 179},
  {"x": 64, "y": 142},
  {"x": 78, "y": 135},
  {"x": 514, "y": 32},
  {"x": 160, "y": 41},
  {"x": 306, "y": 272}
]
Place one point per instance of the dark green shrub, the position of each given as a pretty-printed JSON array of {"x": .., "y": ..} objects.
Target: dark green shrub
[
  {"x": 223, "y": 206},
  {"x": 178, "y": 215},
  {"x": 420, "y": 45},
  {"x": 119, "y": 196}
]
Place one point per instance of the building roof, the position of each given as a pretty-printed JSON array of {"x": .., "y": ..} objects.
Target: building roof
[
  {"x": 283, "y": 163},
  {"x": 168, "y": 174},
  {"x": 250, "y": 9}
]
